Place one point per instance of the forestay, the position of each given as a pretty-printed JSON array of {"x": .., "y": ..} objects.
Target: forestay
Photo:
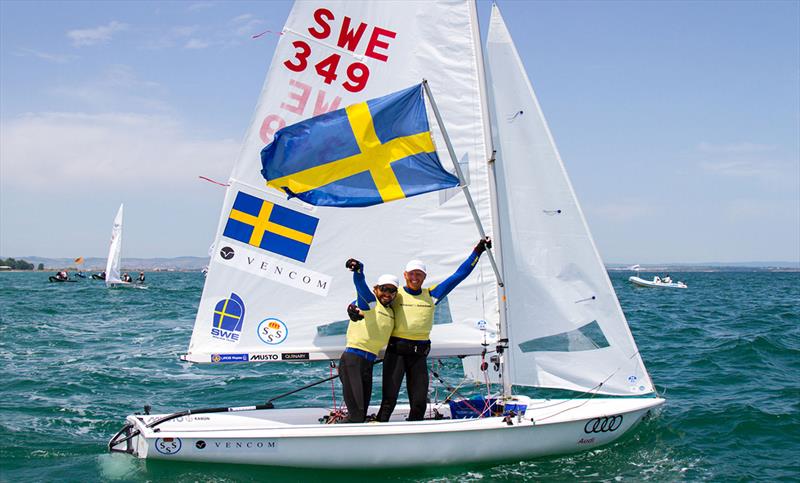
[
  {"x": 281, "y": 293},
  {"x": 565, "y": 324},
  {"x": 115, "y": 251}
]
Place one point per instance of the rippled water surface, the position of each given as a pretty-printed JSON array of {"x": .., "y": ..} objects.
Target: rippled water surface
[{"x": 77, "y": 358}]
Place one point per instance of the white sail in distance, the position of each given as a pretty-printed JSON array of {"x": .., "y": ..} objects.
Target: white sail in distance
[
  {"x": 115, "y": 251},
  {"x": 565, "y": 324},
  {"x": 267, "y": 303}
]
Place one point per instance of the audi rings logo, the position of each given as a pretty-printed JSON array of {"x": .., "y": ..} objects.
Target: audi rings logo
[{"x": 605, "y": 424}]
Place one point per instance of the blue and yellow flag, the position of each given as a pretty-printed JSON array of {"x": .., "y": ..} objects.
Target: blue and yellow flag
[
  {"x": 270, "y": 227},
  {"x": 368, "y": 153}
]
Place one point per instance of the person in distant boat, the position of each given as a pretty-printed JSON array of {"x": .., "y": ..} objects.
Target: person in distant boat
[
  {"x": 366, "y": 337},
  {"x": 126, "y": 277},
  {"x": 666, "y": 279},
  {"x": 407, "y": 352},
  {"x": 141, "y": 277},
  {"x": 657, "y": 279},
  {"x": 62, "y": 275}
]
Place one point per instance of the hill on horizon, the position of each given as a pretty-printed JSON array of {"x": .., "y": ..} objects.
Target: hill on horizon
[{"x": 128, "y": 263}]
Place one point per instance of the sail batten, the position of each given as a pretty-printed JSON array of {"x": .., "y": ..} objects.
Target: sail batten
[{"x": 566, "y": 326}]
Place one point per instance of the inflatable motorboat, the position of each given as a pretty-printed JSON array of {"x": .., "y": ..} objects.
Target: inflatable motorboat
[
  {"x": 56, "y": 279},
  {"x": 656, "y": 282}
]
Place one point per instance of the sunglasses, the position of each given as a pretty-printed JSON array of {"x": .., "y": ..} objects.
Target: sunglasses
[{"x": 388, "y": 288}]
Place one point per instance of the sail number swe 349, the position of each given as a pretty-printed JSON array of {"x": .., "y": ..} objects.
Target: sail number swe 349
[{"x": 349, "y": 38}]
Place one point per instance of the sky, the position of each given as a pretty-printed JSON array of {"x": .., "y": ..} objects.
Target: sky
[{"x": 678, "y": 121}]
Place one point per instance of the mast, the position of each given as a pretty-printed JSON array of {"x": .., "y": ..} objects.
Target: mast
[{"x": 502, "y": 344}]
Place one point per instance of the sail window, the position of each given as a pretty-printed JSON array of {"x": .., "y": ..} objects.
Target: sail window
[
  {"x": 338, "y": 327},
  {"x": 585, "y": 338},
  {"x": 441, "y": 314}
]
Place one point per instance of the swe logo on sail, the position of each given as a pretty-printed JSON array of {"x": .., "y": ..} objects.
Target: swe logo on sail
[{"x": 228, "y": 319}]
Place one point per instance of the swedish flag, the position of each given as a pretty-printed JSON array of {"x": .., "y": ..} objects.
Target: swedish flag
[
  {"x": 368, "y": 153},
  {"x": 270, "y": 227}
]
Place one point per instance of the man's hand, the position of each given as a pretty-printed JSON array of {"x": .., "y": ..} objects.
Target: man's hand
[
  {"x": 483, "y": 245},
  {"x": 354, "y": 265},
  {"x": 354, "y": 313}
]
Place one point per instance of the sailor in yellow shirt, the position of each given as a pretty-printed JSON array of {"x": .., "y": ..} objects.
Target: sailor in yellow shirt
[
  {"x": 365, "y": 339},
  {"x": 407, "y": 352}
]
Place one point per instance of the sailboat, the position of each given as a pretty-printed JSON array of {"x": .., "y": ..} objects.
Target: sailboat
[
  {"x": 547, "y": 318},
  {"x": 113, "y": 277}
]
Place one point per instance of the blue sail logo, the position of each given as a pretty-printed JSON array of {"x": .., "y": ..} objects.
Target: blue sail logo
[{"x": 228, "y": 319}]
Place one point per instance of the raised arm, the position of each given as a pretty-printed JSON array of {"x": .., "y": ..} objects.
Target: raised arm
[
  {"x": 440, "y": 291},
  {"x": 365, "y": 299}
]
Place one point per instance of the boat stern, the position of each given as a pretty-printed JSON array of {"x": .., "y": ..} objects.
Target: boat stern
[{"x": 130, "y": 439}]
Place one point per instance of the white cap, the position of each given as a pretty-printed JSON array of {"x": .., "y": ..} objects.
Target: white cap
[
  {"x": 388, "y": 279},
  {"x": 416, "y": 265}
]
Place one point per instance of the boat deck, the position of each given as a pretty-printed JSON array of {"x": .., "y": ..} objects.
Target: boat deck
[{"x": 299, "y": 421}]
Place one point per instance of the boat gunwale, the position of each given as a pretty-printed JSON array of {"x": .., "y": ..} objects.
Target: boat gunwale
[{"x": 393, "y": 428}]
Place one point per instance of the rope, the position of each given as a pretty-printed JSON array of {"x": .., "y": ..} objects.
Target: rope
[
  {"x": 592, "y": 390},
  {"x": 337, "y": 413},
  {"x": 265, "y": 32},
  {"x": 485, "y": 370},
  {"x": 212, "y": 181},
  {"x": 333, "y": 385},
  {"x": 454, "y": 390}
]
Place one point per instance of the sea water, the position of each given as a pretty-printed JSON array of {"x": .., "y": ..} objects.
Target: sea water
[{"x": 77, "y": 358}]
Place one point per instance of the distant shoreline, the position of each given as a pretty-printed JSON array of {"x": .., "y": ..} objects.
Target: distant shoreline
[
  {"x": 194, "y": 264},
  {"x": 714, "y": 269}
]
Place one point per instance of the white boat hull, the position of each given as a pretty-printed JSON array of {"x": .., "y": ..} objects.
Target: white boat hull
[
  {"x": 649, "y": 283},
  {"x": 295, "y": 438},
  {"x": 126, "y": 285}
]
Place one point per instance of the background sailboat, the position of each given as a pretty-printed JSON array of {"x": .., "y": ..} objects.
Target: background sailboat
[
  {"x": 113, "y": 276},
  {"x": 115, "y": 252},
  {"x": 556, "y": 322}
]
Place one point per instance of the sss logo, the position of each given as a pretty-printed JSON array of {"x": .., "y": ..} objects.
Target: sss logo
[
  {"x": 226, "y": 253},
  {"x": 168, "y": 445},
  {"x": 272, "y": 331}
]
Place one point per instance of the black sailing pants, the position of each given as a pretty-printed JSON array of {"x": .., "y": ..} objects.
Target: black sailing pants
[
  {"x": 412, "y": 365},
  {"x": 355, "y": 373}
]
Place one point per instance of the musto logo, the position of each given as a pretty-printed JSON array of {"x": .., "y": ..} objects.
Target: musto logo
[
  {"x": 272, "y": 331},
  {"x": 606, "y": 424},
  {"x": 168, "y": 445},
  {"x": 228, "y": 319}
]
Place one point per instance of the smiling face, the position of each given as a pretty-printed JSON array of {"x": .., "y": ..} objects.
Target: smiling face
[
  {"x": 385, "y": 293},
  {"x": 414, "y": 279}
]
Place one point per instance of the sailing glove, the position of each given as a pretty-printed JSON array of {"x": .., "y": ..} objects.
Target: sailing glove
[
  {"x": 483, "y": 245},
  {"x": 354, "y": 265},
  {"x": 353, "y": 313}
]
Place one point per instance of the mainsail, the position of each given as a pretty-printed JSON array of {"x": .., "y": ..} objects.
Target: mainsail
[
  {"x": 565, "y": 325},
  {"x": 276, "y": 303},
  {"x": 114, "y": 251}
]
